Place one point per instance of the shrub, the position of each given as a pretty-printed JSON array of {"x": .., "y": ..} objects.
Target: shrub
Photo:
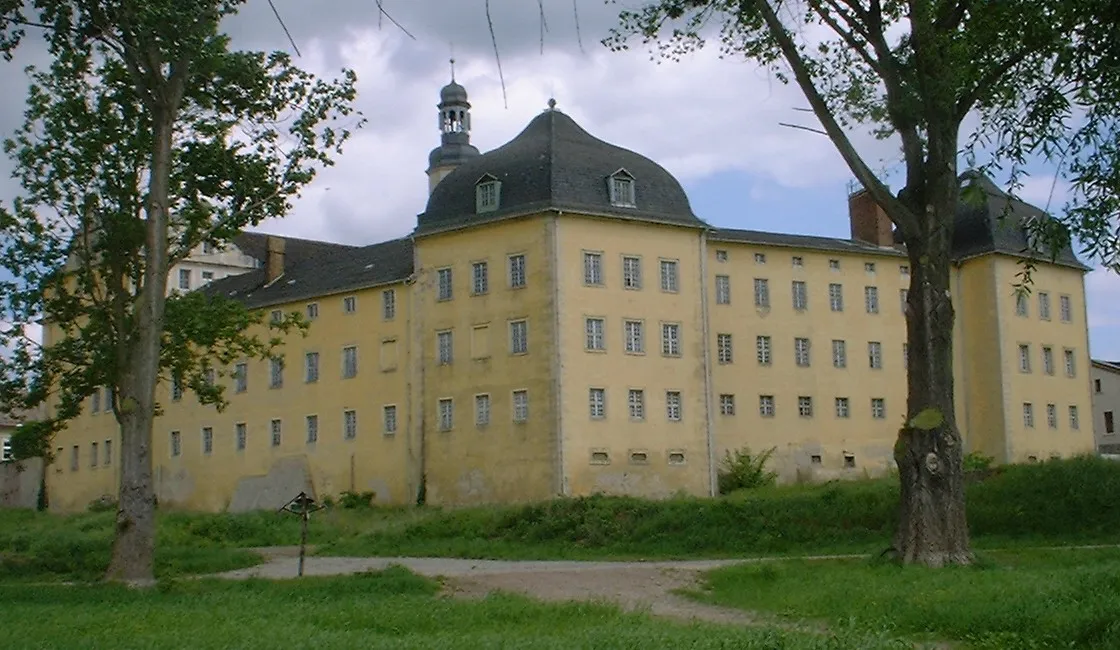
[
  {"x": 744, "y": 470},
  {"x": 975, "y": 461},
  {"x": 103, "y": 503},
  {"x": 355, "y": 500}
]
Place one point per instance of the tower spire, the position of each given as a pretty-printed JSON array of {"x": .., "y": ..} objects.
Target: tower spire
[
  {"x": 452, "y": 69},
  {"x": 454, "y": 131}
]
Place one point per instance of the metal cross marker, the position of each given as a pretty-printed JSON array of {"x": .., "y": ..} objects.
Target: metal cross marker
[{"x": 303, "y": 505}]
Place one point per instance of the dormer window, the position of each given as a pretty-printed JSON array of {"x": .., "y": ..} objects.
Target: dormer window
[
  {"x": 622, "y": 189},
  {"x": 487, "y": 194}
]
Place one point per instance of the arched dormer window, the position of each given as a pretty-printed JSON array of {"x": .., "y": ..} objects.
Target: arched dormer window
[
  {"x": 487, "y": 194},
  {"x": 621, "y": 187}
]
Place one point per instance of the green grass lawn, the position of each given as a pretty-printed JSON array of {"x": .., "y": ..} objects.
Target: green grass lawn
[
  {"x": 390, "y": 609},
  {"x": 1007, "y": 601}
]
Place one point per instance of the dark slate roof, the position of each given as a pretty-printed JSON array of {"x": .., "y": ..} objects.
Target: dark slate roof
[
  {"x": 255, "y": 244},
  {"x": 320, "y": 270},
  {"x": 801, "y": 241},
  {"x": 1113, "y": 366},
  {"x": 996, "y": 225},
  {"x": 555, "y": 164}
]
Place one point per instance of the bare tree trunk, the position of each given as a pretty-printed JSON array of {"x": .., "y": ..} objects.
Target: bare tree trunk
[
  {"x": 134, "y": 546},
  {"x": 932, "y": 527}
]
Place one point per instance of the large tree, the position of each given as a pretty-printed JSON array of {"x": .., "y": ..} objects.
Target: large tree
[
  {"x": 915, "y": 70},
  {"x": 146, "y": 137}
]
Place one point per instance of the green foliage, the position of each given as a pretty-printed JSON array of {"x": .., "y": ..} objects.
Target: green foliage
[
  {"x": 1009, "y": 601},
  {"x": 355, "y": 500},
  {"x": 145, "y": 127},
  {"x": 977, "y": 461},
  {"x": 743, "y": 471},
  {"x": 376, "y": 610}
]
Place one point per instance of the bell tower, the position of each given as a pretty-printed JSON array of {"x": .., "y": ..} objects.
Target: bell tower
[{"x": 455, "y": 132}]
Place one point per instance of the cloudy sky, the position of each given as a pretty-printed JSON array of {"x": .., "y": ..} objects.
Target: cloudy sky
[{"x": 713, "y": 123}]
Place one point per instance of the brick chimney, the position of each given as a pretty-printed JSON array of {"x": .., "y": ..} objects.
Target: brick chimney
[
  {"x": 275, "y": 263},
  {"x": 870, "y": 223}
]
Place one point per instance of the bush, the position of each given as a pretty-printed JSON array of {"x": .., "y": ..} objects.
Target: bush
[
  {"x": 355, "y": 500},
  {"x": 975, "y": 461},
  {"x": 743, "y": 470}
]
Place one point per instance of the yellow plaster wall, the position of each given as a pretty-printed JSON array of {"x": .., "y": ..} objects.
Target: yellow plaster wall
[
  {"x": 1037, "y": 387},
  {"x": 799, "y": 438},
  {"x": 503, "y": 461},
  {"x": 624, "y": 440},
  {"x": 372, "y": 461},
  {"x": 978, "y": 357}
]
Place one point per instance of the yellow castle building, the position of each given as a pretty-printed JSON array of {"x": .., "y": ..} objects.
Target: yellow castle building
[{"x": 561, "y": 323}]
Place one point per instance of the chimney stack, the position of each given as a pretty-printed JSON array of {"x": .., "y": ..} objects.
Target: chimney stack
[
  {"x": 275, "y": 264},
  {"x": 870, "y": 224}
]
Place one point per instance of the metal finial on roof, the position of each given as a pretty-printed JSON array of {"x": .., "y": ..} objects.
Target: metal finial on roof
[
  {"x": 551, "y": 103},
  {"x": 452, "y": 68}
]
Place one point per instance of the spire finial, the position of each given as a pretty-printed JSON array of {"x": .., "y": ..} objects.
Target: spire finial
[
  {"x": 452, "y": 68},
  {"x": 551, "y": 103}
]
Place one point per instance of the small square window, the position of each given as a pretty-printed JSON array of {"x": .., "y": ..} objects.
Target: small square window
[
  {"x": 721, "y": 255},
  {"x": 904, "y": 269},
  {"x": 349, "y": 304},
  {"x": 798, "y": 261},
  {"x": 312, "y": 311},
  {"x": 834, "y": 265},
  {"x": 869, "y": 267},
  {"x": 760, "y": 258}
]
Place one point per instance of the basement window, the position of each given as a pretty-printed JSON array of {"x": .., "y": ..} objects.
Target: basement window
[
  {"x": 676, "y": 458},
  {"x": 849, "y": 461},
  {"x": 639, "y": 458},
  {"x": 600, "y": 457},
  {"x": 487, "y": 194},
  {"x": 621, "y": 185},
  {"x": 815, "y": 459}
]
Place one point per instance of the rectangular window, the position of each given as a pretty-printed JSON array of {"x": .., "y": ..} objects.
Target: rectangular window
[
  {"x": 875, "y": 355},
  {"x": 871, "y": 299},
  {"x": 798, "y": 262},
  {"x": 93, "y": 454},
  {"x": 209, "y": 376},
  {"x": 1109, "y": 424},
  {"x": 727, "y": 404},
  {"x": 388, "y": 304},
  {"x": 176, "y": 389},
  {"x": 1074, "y": 420},
  {"x": 277, "y": 315},
  {"x": 801, "y": 351},
  {"x": 597, "y": 403},
  {"x": 635, "y": 339},
  {"x": 1071, "y": 366},
  {"x": 904, "y": 300},
  {"x": 1021, "y": 304},
  {"x": 759, "y": 258},
  {"x": 724, "y": 350},
  {"x": 519, "y": 337},
  {"x": 636, "y": 401},
  {"x": 800, "y": 295},
  {"x": 595, "y": 329},
  {"x": 276, "y": 429},
  {"x": 207, "y": 440},
  {"x": 275, "y": 372},
  {"x": 762, "y": 349},
  {"x": 349, "y": 362},
  {"x": 1047, "y": 359},
  {"x": 670, "y": 276},
  {"x": 839, "y": 354},
  {"x": 446, "y": 414},
  {"x": 486, "y": 196},
  {"x": 766, "y": 406},
  {"x": 833, "y": 265},
  {"x": 445, "y": 348},
  {"x": 761, "y": 292},
  {"x": 878, "y": 408},
  {"x": 481, "y": 410},
  {"x": 869, "y": 267},
  {"x": 904, "y": 269},
  {"x": 74, "y": 452},
  {"x": 241, "y": 377},
  {"x": 631, "y": 272},
  {"x": 1028, "y": 415},
  {"x": 349, "y": 424},
  {"x": 444, "y": 285},
  {"x": 480, "y": 278},
  {"x": 842, "y": 407},
  {"x": 1043, "y": 305},
  {"x": 312, "y": 310},
  {"x": 805, "y": 406},
  {"x": 593, "y": 269},
  {"x": 836, "y": 297},
  {"x": 1024, "y": 358},
  {"x": 240, "y": 435},
  {"x": 1065, "y": 309},
  {"x": 95, "y": 400},
  {"x": 670, "y": 339},
  {"x": 520, "y": 406},
  {"x": 176, "y": 444},
  {"x": 673, "y": 405},
  {"x": 311, "y": 367},
  {"x": 312, "y": 424},
  {"x": 721, "y": 255},
  {"x": 389, "y": 419},
  {"x": 622, "y": 191},
  {"x": 516, "y": 271},
  {"x": 207, "y": 277},
  {"x": 185, "y": 279},
  {"x": 109, "y": 452},
  {"x": 723, "y": 290},
  {"x": 349, "y": 304},
  {"x": 1052, "y": 416}
]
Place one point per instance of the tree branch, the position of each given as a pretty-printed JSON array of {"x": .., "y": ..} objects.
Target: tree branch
[{"x": 992, "y": 77}]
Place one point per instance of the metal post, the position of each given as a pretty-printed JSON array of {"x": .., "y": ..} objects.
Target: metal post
[
  {"x": 303, "y": 538},
  {"x": 302, "y": 505}
]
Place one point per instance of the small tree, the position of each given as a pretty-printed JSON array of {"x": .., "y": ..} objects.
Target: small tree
[
  {"x": 915, "y": 69},
  {"x": 146, "y": 137}
]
